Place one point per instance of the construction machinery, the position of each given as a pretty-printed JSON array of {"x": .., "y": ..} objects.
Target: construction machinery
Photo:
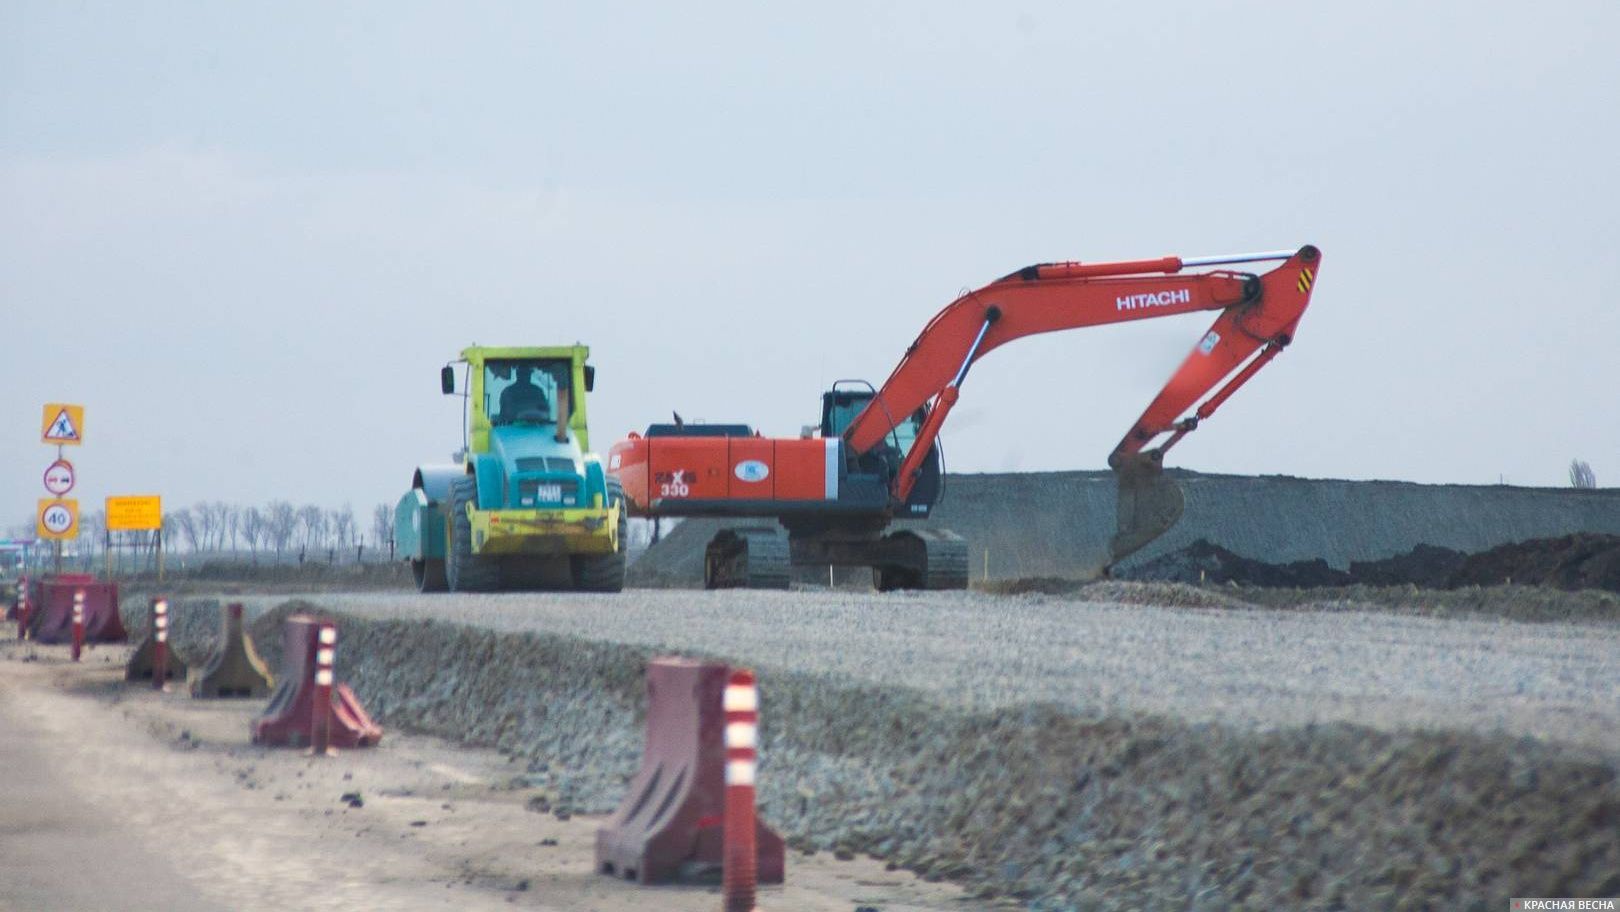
[
  {"x": 524, "y": 505},
  {"x": 875, "y": 457}
]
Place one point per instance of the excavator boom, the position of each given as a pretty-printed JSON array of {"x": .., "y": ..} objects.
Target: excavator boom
[{"x": 1258, "y": 317}]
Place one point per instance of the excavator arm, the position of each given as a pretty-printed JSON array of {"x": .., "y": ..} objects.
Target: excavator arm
[{"x": 1258, "y": 317}]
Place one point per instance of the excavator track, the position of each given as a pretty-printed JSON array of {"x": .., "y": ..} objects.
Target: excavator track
[
  {"x": 936, "y": 559},
  {"x": 751, "y": 558}
]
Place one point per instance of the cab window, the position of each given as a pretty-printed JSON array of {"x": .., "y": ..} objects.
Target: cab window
[{"x": 524, "y": 391}]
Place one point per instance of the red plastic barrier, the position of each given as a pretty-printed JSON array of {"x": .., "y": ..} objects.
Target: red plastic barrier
[
  {"x": 670, "y": 824},
  {"x": 52, "y": 610},
  {"x": 289, "y": 719}
]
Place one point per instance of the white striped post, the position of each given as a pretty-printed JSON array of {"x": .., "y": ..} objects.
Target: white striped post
[
  {"x": 160, "y": 642},
  {"x": 739, "y": 861},
  {"x": 22, "y": 608},
  {"x": 78, "y": 623},
  {"x": 320, "y": 716}
]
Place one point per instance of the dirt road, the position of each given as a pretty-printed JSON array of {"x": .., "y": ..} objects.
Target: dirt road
[{"x": 118, "y": 797}]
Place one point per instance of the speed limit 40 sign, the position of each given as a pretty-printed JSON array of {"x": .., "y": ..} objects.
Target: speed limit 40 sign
[{"x": 58, "y": 520}]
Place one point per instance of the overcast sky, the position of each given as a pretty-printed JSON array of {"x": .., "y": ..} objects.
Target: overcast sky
[{"x": 246, "y": 236}]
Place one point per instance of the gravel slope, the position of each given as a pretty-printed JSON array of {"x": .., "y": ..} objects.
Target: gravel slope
[
  {"x": 1059, "y": 523},
  {"x": 1166, "y": 767},
  {"x": 1256, "y": 668}
]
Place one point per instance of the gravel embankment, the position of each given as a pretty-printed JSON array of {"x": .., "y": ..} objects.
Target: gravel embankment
[
  {"x": 1073, "y": 755},
  {"x": 1256, "y": 668},
  {"x": 1059, "y": 523}
]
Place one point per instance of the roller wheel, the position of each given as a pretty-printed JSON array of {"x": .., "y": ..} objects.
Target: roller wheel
[
  {"x": 429, "y": 575},
  {"x": 464, "y": 570},
  {"x": 605, "y": 572}
]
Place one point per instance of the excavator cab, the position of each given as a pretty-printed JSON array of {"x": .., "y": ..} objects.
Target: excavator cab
[{"x": 839, "y": 407}]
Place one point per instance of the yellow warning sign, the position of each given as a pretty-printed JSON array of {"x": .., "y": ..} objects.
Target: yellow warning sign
[
  {"x": 131, "y": 513},
  {"x": 63, "y": 424},
  {"x": 57, "y": 520}
]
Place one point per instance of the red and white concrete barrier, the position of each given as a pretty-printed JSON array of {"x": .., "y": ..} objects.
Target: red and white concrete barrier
[{"x": 739, "y": 859}]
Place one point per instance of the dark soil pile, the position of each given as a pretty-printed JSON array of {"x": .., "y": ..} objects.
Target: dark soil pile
[
  {"x": 1582, "y": 561},
  {"x": 1204, "y": 562},
  {"x": 1426, "y": 566}
]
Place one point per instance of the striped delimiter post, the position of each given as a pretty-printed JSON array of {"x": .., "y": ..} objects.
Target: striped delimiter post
[
  {"x": 22, "y": 608},
  {"x": 739, "y": 864},
  {"x": 78, "y": 623},
  {"x": 160, "y": 642},
  {"x": 320, "y": 715}
]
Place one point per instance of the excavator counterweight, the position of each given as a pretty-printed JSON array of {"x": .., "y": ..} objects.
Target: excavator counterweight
[{"x": 875, "y": 457}]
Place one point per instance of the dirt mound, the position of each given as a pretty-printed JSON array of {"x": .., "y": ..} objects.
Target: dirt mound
[
  {"x": 1425, "y": 566},
  {"x": 1583, "y": 561},
  {"x": 1205, "y": 562},
  {"x": 1574, "y": 562}
]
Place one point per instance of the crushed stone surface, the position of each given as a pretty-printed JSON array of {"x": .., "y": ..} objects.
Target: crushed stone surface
[{"x": 1248, "y": 667}]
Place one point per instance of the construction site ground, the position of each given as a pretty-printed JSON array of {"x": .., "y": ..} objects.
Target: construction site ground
[
  {"x": 1116, "y": 745},
  {"x": 118, "y": 797}
]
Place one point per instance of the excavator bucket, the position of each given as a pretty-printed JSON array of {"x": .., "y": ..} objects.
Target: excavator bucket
[{"x": 1150, "y": 502}]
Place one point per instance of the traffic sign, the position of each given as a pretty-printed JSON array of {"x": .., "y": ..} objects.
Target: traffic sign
[
  {"x": 141, "y": 512},
  {"x": 57, "y": 519},
  {"x": 63, "y": 424},
  {"x": 59, "y": 477}
]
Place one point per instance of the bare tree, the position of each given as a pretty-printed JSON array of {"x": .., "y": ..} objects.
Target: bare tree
[
  {"x": 233, "y": 526},
  {"x": 342, "y": 525},
  {"x": 186, "y": 521},
  {"x": 203, "y": 518},
  {"x": 93, "y": 531},
  {"x": 312, "y": 520},
  {"x": 1581, "y": 474},
  {"x": 281, "y": 521},
  {"x": 382, "y": 523},
  {"x": 252, "y": 525}
]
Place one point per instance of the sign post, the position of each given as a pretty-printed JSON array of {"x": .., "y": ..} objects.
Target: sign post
[{"x": 61, "y": 423}]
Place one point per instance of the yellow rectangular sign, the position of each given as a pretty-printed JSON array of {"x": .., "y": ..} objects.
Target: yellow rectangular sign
[
  {"x": 131, "y": 513},
  {"x": 56, "y": 519},
  {"x": 63, "y": 423}
]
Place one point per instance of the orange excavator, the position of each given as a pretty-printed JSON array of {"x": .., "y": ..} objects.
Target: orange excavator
[{"x": 876, "y": 458}]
